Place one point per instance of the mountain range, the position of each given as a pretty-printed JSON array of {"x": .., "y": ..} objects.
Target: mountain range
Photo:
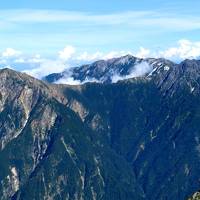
[
  {"x": 112, "y": 70},
  {"x": 131, "y": 132}
]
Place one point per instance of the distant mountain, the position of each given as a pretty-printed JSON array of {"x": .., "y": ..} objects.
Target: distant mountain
[
  {"x": 107, "y": 71},
  {"x": 136, "y": 139}
]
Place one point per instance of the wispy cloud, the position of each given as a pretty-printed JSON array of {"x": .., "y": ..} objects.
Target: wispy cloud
[
  {"x": 143, "y": 19},
  {"x": 67, "y": 53},
  {"x": 47, "y": 31},
  {"x": 46, "y": 67},
  {"x": 185, "y": 49},
  {"x": 45, "y": 16},
  {"x": 138, "y": 71},
  {"x": 10, "y": 52}
]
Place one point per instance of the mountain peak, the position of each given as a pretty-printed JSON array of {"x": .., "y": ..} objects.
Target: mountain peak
[
  {"x": 189, "y": 68},
  {"x": 12, "y": 73},
  {"x": 104, "y": 70},
  {"x": 9, "y": 75},
  {"x": 8, "y": 71},
  {"x": 190, "y": 63}
]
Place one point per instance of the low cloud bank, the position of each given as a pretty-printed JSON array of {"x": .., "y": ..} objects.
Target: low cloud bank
[
  {"x": 139, "y": 70},
  {"x": 69, "y": 80}
]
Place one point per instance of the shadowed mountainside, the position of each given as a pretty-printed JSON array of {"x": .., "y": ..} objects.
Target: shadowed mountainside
[{"x": 135, "y": 139}]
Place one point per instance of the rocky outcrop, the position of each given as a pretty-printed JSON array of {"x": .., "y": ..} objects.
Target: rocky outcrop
[{"x": 195, "y": 196}]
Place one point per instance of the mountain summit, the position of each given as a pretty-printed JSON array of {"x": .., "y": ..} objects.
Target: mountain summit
[{"x": 112, "y": 70}]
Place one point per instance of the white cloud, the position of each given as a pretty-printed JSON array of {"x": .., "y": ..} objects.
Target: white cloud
[
  {"x": 68, "y": 80},
  {"x": 9, "y": 52},
  {"x": 46, "y": 67},
  {"x": 20, "y": 60},
  {"x": 143, "y": 53},
  {"x": 67, "y": 53},
  {"x": 36, "y": 59},
  {"x": 85, "y": 56},
  {"x": 138, "y": 71},
  {"x": 185, "y": 49},
  {"x": 141, "y": 69},
  {"x": 114, "y": 54},
  {"x": 43, "y": 67}
]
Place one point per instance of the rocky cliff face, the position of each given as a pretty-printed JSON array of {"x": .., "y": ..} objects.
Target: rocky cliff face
[
  {"x": 136, "y": 139},
  {"x": 47, "y": 152},
  {"x": 195, "y": 196}
]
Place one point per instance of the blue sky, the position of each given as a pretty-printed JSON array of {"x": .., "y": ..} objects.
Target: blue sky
[{"x": 46, "y": 27}]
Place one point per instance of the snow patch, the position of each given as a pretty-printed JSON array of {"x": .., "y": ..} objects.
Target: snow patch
[
  {"x": 14, "y": 179},
  {"x": 166, "y": 68}
]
